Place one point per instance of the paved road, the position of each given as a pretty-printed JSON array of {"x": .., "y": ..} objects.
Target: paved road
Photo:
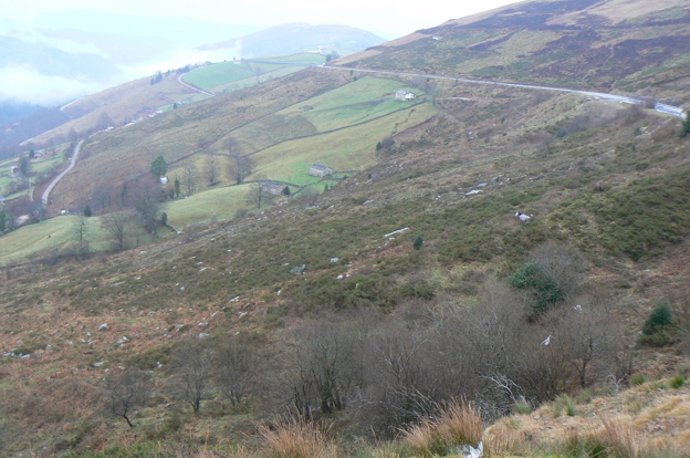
[
  {"x": 194, "y": 88},
  {"x": 660, "y": 107},
  {"x": 56, "y": 180}
]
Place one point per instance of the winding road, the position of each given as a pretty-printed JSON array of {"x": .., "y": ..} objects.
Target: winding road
[
  {"x": 194, "y": 88},
  {"x": 56, "y": 180},
  {"x": 659, "y": 107}
]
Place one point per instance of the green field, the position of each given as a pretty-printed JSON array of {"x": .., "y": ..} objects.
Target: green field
[
  {"x": 339, "y": 127},
  {"x": 360, "y": 101},
  {"x": 47, "y": 163},
  {"x": 245, "y": 73},
  {"x": 52, "y": 235},
  {"x": 350, "y": 148},
  {"x": 217, "y": 204},
  {"x": 5, "y": 176},
  {"x": 355, "y": 103}
]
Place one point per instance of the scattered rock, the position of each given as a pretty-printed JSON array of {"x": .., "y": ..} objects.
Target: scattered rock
[
  {"x": 103, "y": 327},
  {"x": 335, "y": 259},
  {"x": 398, "y": 231},
  {"x": 299, "y": 270},
  {"x": 98, "y": 364},
  {"x": 122, "y": 340},
  {"x": 203, "y": 336}
]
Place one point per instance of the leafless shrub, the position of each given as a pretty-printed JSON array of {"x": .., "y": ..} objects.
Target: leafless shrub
[
  {"x": 115, "y": 224},
  {"x": 191, "y": 365},
  {"x": 235, "y": 367},
  {"x": 127, "y": 391},
  {"x": 324, "y": 366}
]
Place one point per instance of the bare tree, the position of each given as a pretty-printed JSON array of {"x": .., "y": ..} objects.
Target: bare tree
[
  {"x": 191, "y": 366},
  {"x": 325, "y": 366},
  {"x": 102, "y": 197},
  {"x": 80, "y": 234},
  {"x": 240, "y": 167},
  {"x": 115, "y": 224},
  {"x": 146, "y": 200},
  {"x": 235, "y": 367},
  {"x": 257, "y": 195},
  {"x": 211, "y": 171},
  {"x": 590, "y": 336},
  {"x": 126, "y": 392},
  {"x": 189, "y": 180}
]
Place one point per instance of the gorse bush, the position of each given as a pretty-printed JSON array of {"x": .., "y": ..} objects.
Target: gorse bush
[
  {"x": 659, "y": 318},
  {"x": 656, "y": 331},
  {"x": 531, "y": 276}
]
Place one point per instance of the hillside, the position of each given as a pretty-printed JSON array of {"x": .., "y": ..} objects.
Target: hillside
[
  {"x": 364, "y": 302},
  {"x": 625, "y": 46}
]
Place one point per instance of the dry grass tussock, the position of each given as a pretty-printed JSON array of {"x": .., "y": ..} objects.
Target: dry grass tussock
[
  {"x": 458, "y": 424},
  {"x": 296, "y": 438},
  {"x": 601, "y": 427}
]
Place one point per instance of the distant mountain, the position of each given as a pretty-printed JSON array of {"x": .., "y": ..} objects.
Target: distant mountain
[
  {"x": 298, "y": 37},
  {"x": 21, "y": 121},
  {"x": 130, "y": 40},
  {"x": 52, "y": 61}
]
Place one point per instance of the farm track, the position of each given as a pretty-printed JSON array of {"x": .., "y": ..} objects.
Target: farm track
[
  {"x": 192, "y": 87},
  {"x": 75, "y": 155}
]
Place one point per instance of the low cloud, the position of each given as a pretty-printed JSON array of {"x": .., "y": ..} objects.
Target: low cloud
[{"x": 25, "y": 84}]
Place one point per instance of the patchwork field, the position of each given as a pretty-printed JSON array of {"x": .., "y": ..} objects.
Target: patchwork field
[{"x": 227, "y": 76}]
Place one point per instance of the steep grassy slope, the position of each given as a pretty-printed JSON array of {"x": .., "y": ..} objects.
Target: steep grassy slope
[
  {"x": 626, "y": 46},
  {"x": 283, "y": 131},
  {"x": 117, "y": 106},
  {"x": 607, "y": 180}
]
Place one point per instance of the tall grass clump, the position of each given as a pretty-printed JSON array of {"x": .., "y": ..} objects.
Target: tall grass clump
[
  {"x": 458, "y": 424},
  {"x": 616, "y": 438},
  {"x": 297, "y": 438}
]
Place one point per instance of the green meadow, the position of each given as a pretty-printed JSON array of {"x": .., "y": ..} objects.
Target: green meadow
[{"x": 238, "y": 74}]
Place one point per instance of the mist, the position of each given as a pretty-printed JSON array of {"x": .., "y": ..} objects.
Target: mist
[{"x": 23, "y": 83}]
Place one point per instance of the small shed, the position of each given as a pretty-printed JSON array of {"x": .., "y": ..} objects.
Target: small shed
[
  {"x": 320, "y": 170},
  {"x": 404, "y": 94},
  {"x": 274, "y": 188},
  {"x": 164, "y": 180}
]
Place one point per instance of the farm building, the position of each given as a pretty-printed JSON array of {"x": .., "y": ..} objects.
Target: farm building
[
  {"x": 320, "y": 170},
  {"x": 404, "y": 94},
  {"x": 274, "y": 188}
]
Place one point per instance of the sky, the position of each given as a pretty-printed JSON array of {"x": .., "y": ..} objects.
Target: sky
[{"x": 387, "y": 18}]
